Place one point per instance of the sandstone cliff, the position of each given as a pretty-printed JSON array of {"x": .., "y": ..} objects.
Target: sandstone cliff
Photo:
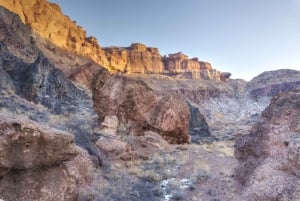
[
  {"x": 47, "y": 20},
  {"x": 147, "y": 60},
  {"x": 135, "y": 59},
  {"x": 180, "y": 65}
]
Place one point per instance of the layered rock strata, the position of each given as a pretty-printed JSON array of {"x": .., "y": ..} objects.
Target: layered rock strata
[{"x": 147, "y": 60}]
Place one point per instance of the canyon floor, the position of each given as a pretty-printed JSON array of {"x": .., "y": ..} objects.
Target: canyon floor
[{"x": 187, "y": 172}]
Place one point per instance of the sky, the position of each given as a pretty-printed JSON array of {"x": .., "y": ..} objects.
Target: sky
[{"x": 244, "y": 37}]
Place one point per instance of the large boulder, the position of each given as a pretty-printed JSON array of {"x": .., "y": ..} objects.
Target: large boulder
[
  {"x": 269, "y": 155},
  {"x": 139, "y": 109},
  {"x": 39, "y": 163}
]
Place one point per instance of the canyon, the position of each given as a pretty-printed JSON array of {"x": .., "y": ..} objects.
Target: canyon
[{"x": 83, "y": 122}]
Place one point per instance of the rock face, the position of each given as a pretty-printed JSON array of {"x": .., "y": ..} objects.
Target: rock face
[
  {"x": 28, "y": 77},
  {"x": 138, "y": 109},
  {"x": 43, "y": 84},
  {"x": 39, "y": 163},
  {"x": 269, "y": 155},
  {"x": 180, "y": 64},
  {"x": 271, "y": 83},
  {"x": 146, "y": 60},
  {"x": 135, "y": 59},
  {"x": 47, "y": 20}
]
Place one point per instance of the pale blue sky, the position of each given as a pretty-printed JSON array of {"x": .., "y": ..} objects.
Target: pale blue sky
[{"x": 244, "y": 37}]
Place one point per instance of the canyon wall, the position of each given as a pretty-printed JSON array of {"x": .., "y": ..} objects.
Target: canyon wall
[
  {"x": 138, "y": 58},
  {"x": 47, "y": 20}
]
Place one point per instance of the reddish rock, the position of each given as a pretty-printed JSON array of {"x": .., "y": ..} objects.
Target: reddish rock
[
  {"x": 179, "y": 63},
  {"x": 135, "y": 59},
  {"x": 84, "y": 74},
  {"x": 139, "y": 109}
]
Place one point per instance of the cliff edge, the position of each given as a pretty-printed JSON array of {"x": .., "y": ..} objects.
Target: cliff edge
[{"x": 47, "y": 20}]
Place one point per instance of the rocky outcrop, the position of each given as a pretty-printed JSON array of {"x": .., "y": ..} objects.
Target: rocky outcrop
[
  {"x": 146, "y": 60},
  {"x": 39, "y": 163},
  {"x": 135, "y": 59},
  {"x": 85, "y": 73},
  {"x": 269, "y": 155},
  {"x": 31, "y": 85},
  {"x": 27, "y": 47},
  {"x": 17, "y": 37},
  {"x": 271, "y": 83},
  {"x": 41, "y": 83},
  {"x": 47, "y": 20},
  {"x": 180, "y": 65},
  {"x": 138, "y": 109}
]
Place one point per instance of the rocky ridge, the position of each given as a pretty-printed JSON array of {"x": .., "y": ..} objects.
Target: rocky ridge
[{"x": 271, "y": 83}]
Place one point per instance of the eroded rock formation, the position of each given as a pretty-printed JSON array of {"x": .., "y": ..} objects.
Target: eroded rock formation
[
  {"x": 51, "y": 25},
  {"x": 139, "y": 109},
  {"x": 180, "y": 65},
  {"x": 39, "y": 163},
  {"x": 135, "y": 59},
  {"x": 146, "y": 60},
  {"x": 47, "y": 20},
  {"x": 269, "y": 155}
]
